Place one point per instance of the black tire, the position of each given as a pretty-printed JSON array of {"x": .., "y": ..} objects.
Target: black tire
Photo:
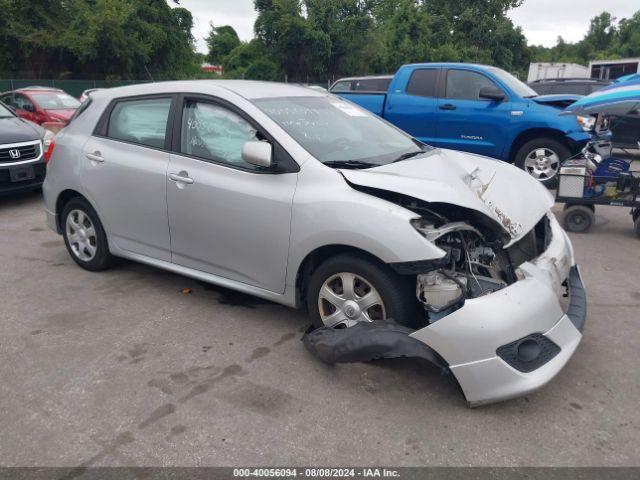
[
  {"x": 636, "y": 226},
  {"x": 578, "y": 218},
  {"x": 560, "y": 150},
  {"x": 397, "y": 291},
  {"x": 569, "y": 205},
  {"x": 102, "y": 258}
]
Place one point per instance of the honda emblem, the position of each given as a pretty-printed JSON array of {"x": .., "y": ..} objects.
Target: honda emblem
[{"x": 14, "y": 153}]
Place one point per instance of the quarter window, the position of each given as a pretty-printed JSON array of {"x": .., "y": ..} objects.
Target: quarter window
[
  {"x": 140, "y": 121},
  {"x": 465, "y": 85},
  {"x": 342, "y": 87},
  {"x": 423, "y": 83},
  {"x": 215, "y": 133}
]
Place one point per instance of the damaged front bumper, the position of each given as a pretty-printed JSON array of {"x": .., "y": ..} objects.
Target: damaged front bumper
[{"x": 498, "y": 346}]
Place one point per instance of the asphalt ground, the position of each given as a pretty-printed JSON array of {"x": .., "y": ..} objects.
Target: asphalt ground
[{"x": 123, "y": 368}]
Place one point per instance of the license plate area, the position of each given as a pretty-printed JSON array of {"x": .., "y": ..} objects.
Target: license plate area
[{"x": 22, "y": 174}]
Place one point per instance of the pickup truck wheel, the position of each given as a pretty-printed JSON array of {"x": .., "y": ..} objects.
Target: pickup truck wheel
[
  {"x": 541, "y": 158},
  {"x": 348, "y": 289}
]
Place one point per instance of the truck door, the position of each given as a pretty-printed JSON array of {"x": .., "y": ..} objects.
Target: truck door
[
  {"x": 467, "y": 122},
  {"x": 414, "y": 110}
]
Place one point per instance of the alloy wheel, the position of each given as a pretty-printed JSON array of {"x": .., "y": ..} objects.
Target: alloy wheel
[{"x": 542, "y": 163}]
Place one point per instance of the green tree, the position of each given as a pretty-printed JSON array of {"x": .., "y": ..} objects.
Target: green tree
[
  {"x": 220, "y": 42},
  {"x": 97, "y": 38},
  {"x": 251, "y": 60}
]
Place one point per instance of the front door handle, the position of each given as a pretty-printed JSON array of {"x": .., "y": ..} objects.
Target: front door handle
[
  {"x": 181, "y": 178},
  {"x": 95, "y": 157},
  {"x": 448, "y": 106}
]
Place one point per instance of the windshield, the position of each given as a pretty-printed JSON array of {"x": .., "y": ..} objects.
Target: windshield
[
  {"x": 5, "y": 112},
  {"x": 333, "y": 130},
  {"x": 55, "y": 101},
  {"x": 520, "y": 88}
]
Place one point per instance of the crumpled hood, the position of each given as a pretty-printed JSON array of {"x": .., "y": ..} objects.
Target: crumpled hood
[{"x": 494, "y": 188}]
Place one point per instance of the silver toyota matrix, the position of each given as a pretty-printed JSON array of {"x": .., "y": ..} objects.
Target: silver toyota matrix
[{"x": 305, "y": 199}]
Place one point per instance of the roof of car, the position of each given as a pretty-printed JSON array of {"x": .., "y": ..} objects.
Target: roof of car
[
  {"x": 248, "y": 89},
  {"x": 38, "y": 88}
]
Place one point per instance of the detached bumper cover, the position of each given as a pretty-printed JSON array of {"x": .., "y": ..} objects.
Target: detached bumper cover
[{"x": 367, "y": 341}]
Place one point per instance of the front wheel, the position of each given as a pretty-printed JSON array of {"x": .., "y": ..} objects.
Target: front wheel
[
  {"x": 541, "y": 158},
  {"x": 348, "y": 289}
]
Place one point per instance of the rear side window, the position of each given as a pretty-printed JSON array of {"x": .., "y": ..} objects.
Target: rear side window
[
  {"x": 140, "y": 121},
  {"x": 341, "y": 87},
  {"x": 371, "y": 85},
  {"x": 423, "y": 83},
  {"x": 466, "y": 85}
]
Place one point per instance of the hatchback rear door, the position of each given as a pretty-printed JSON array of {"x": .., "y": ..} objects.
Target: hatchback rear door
[{"x": 124, "y": 173}]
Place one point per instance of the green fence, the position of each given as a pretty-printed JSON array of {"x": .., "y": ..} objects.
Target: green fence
[{"x": 72, "y": 87}]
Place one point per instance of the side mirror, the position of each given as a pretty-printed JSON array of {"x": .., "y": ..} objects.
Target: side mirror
[
  {"x": 258, "y": 153},
  {"x": 492, "y": 93}
]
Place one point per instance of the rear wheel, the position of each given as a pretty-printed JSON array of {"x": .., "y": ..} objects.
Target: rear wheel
[
  {"x": 541, "y": 158},
  {"x": 348, "y": 289},
  {"x": 578, "y": 218},
  {"x": 84, "y": 236}
]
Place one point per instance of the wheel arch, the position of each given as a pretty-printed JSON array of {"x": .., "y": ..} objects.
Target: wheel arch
[
  {"x": 534, "y": 133},
  {"x": 315, "y": 258},
  {"x": 63, "y": 198}
]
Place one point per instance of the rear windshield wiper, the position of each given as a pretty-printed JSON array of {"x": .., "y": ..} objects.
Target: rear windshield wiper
[
  {"x": 349, "y": 164},
  {"x": 408, "y": 155}
]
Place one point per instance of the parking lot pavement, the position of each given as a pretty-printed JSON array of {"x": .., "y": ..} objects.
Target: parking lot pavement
[{"x": 123, "y": 368}]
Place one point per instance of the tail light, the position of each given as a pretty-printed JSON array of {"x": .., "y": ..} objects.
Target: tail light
[{"x": 49, "y": 152}]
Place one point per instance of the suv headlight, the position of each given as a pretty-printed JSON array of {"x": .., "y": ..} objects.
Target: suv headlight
[{"x": 587, "y": 123}]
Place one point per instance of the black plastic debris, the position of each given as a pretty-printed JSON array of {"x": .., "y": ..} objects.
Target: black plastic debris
[{"x": 367, "y": 341}]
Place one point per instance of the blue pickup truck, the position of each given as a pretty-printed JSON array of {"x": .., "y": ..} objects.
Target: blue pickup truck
[{"x": 477, "y": 109}]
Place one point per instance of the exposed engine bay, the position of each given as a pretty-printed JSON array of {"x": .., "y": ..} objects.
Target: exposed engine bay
[{"x": 475, "y": 263}]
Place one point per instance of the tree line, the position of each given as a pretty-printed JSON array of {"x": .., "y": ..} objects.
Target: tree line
[
  {"x": 95, "y": 39},
  {"x": 300, "y": 40}
]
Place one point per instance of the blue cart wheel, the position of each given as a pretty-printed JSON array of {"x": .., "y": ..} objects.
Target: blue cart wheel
[{"x": 578, "y": 218}]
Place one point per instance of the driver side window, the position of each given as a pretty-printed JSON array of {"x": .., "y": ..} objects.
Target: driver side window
[
  {"x": 22, "y": 102},
  {"x": 466, "y": 85},
  {"x": 213, "y": 132}
]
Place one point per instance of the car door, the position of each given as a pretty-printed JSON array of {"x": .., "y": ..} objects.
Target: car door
[
  {"x": 124, "y": 173},
  {"x": 415, "y": 109},
  {"x": 227, "y": 217},
  {"x": 467, "y": 122}
]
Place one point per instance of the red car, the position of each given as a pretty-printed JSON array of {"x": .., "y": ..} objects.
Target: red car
[{"x": 50, "y": 107}]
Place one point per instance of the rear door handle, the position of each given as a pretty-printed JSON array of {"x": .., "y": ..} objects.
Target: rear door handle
[
  {"x": 181, "y": 177},
  {"x": 447, "y": 106},
  {"x": 95, "y": 157}
]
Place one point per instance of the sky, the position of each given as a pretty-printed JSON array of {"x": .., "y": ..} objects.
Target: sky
[{"x": 541, "y": 20}]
